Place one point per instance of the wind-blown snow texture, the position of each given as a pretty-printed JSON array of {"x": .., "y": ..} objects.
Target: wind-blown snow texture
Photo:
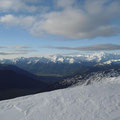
[{"x": 98, "y": 101}]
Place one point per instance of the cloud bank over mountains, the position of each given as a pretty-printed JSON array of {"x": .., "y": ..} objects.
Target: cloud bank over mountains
[
  {"x": 71, "y": 19},
  {"x": 22, "y": 50},
  {"x": 15, "y": 50},
  {"x": 97, "y": 47}
]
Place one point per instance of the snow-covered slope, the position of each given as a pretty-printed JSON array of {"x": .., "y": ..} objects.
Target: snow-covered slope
[
  {"x": 87, "y": 78},
  {"x": 98, "y": 101}
]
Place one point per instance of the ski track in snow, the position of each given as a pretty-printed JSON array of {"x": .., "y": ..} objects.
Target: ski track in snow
[{"x": 98, "y": 101}]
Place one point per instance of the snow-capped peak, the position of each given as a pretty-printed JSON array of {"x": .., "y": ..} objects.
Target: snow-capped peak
[{"x": 104, "y": 58}]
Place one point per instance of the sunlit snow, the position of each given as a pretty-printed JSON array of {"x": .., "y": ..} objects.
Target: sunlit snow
[{"x": 98, "y": 101}]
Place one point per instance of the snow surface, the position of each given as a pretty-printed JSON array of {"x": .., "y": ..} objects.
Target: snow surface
[{"x": 98, "y": 101}]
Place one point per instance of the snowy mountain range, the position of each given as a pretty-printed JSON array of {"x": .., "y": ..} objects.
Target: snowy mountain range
[
  {"x": 92, "y": 93},
  {"x": 63, "y": 65},
  {"x": 101, "y": 57}
]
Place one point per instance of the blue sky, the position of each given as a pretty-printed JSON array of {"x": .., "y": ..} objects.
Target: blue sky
[{"x": 40, "y": 27}]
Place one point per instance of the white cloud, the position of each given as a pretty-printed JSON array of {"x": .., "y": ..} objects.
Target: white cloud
[
  {"x": 98, "y": 47},
  {"x": 10, "y": 20},
  {"x": 15, "y": 5},
  {"x": 94, "y": 19},
  {"x": 90, "y": 19},
  {"x": 16, "y": 50}
]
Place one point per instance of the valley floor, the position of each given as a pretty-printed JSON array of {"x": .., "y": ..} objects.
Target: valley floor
[{"x": 98, "y": 101}]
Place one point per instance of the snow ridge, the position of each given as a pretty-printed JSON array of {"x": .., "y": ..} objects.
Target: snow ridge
[{"x": 97, "y": 101}]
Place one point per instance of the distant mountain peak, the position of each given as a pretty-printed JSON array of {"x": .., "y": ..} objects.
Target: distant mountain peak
[{"x": 101, "y": 57}]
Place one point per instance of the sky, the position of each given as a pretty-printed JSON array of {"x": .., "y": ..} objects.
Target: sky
[{"x": 42, "y": 27}]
